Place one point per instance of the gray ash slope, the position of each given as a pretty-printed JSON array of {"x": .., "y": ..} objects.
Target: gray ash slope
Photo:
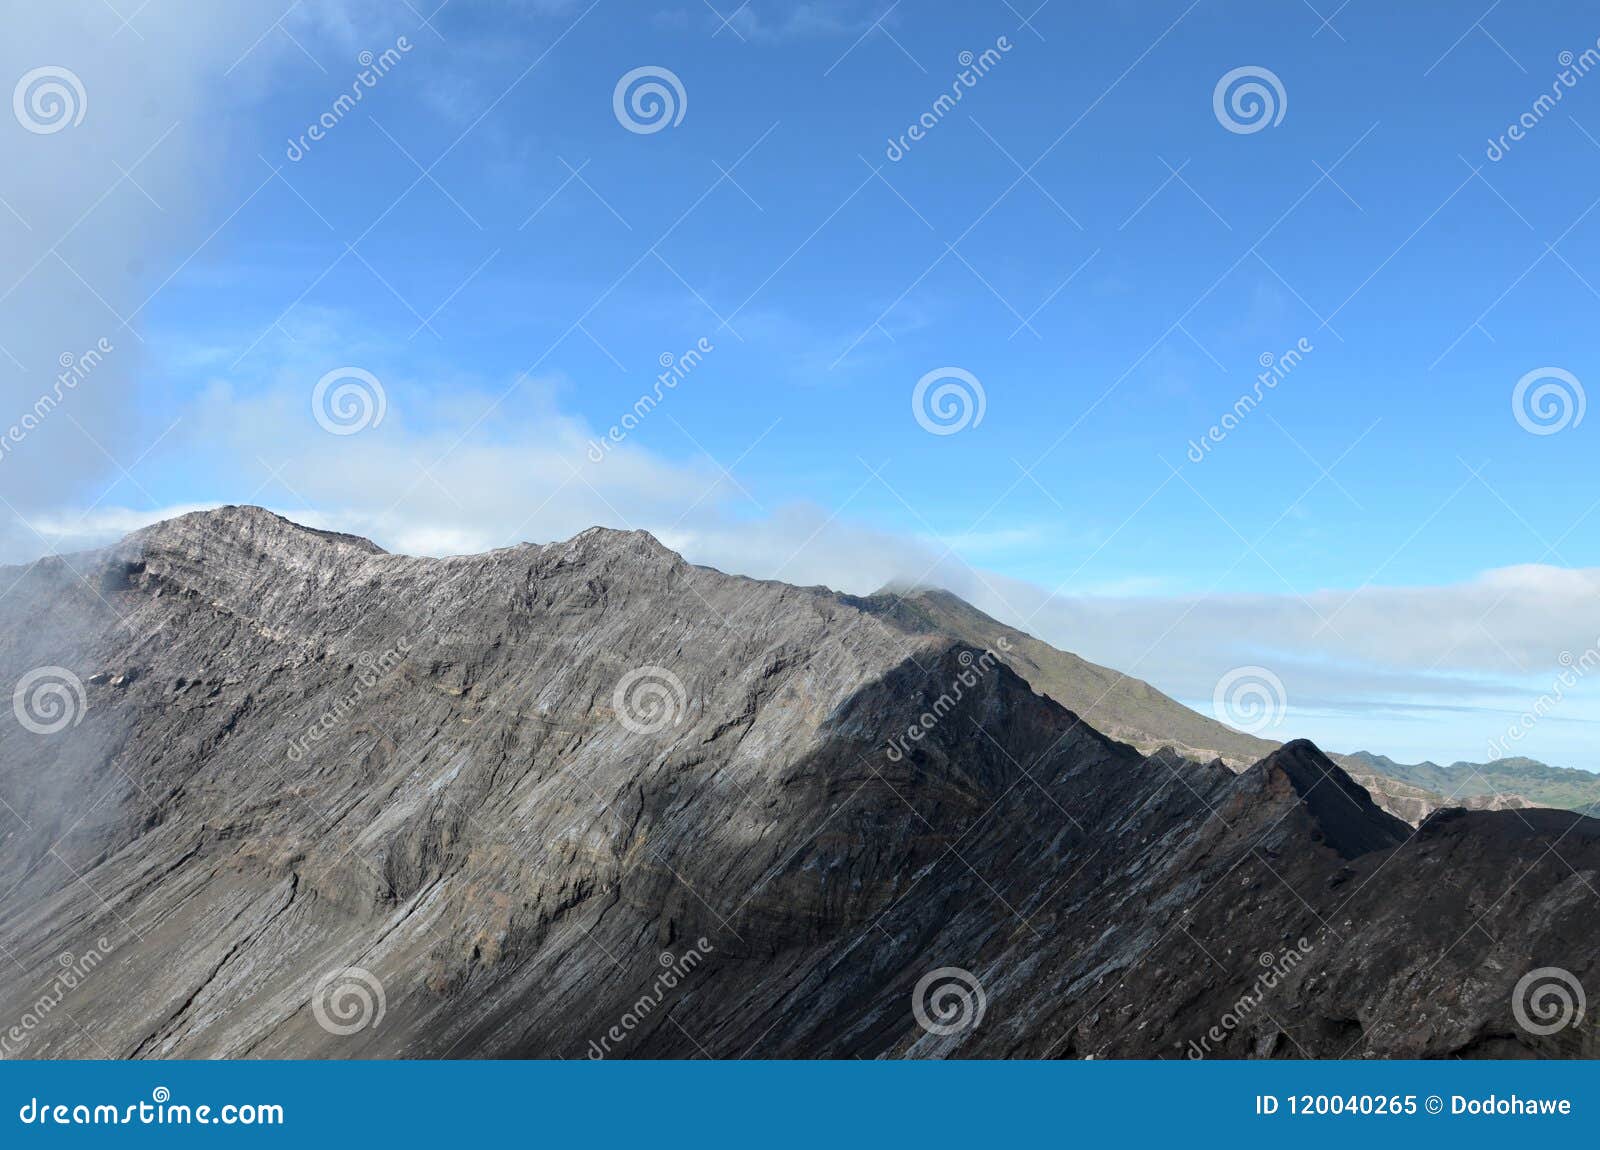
[{"x": 479, "y": 830}]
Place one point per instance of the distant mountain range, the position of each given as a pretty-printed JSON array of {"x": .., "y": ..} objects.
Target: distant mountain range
[
  {"x": 273, "y": 792},
  {"x": 1538, "y": 784}
]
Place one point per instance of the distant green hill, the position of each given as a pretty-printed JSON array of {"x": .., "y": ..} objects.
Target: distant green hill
[{"x": 1537, "y": 782}]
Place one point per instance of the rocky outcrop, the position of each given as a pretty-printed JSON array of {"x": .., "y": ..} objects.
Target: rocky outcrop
[{"x": 586, "y": 799}]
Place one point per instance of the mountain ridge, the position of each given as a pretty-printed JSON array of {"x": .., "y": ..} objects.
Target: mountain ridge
[
  {"x": 1120, "y": 705},
  {"x": 489, "y": 816}
]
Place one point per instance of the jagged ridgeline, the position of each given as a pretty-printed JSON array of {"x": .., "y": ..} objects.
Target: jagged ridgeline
[{"x": 295, "y": 796}]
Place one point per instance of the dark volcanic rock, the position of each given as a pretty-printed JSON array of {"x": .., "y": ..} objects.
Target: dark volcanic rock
[
  {"x": 586, "y": 798},
  {"x": 1345, "y": 817}
]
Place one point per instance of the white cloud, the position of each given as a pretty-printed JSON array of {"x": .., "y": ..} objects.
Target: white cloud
[
  {"x": 1433, "y": 671},
  {"x": 789, "y": 21},
  {"x": 100, "y": 211}
]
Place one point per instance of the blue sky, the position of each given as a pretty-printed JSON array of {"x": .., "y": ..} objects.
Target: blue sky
[{"x": 1081, "y": 233}]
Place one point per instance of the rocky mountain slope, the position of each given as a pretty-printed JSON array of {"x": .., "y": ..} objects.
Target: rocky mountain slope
[
  {"x": 294, "y": 796},
  {"x": 1135, "y": 712},
  {"x": 1119, "y": 705}
]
